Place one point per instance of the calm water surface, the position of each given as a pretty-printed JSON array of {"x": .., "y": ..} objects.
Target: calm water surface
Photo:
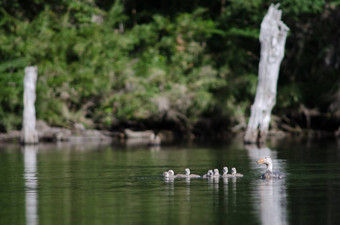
[{"x": 106, "y": 184}]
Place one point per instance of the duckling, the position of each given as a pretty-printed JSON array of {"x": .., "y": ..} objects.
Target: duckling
[
  {"x": 225, "y": 173},
  {"x": 171, "y": 173},
  {"x": 179, "y": 175},
  {"x": 234, "y": 173},
  {"x": 209, "y": 174},
  {"x": 166, "y": 174},
  {"x": 187, "y": 173},
  {"x": 216, "y": 173}
]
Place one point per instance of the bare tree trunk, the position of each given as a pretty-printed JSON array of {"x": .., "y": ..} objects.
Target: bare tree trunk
[
  {"x": 273, "y": 36},
  {"x": 28, "y": 133}
]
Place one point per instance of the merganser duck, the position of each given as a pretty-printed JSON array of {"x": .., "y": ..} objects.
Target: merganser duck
[{"x": 269, "y": 173}]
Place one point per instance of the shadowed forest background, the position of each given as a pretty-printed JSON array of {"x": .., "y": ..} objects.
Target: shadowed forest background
[{"x": 187, "y": 66}]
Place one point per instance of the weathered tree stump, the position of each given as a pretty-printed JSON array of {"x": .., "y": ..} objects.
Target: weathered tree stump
[
  {"x": 29, "y": 134},
  {"x": 273, "y": 36}
]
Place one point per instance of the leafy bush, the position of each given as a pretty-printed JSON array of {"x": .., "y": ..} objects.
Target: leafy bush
[{"x": 105, "y": 66}]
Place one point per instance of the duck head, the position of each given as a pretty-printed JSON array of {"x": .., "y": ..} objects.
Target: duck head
[
  {"x": 216, "y": 172},
  {"x": 233, "y": 171},
  {"x": 267, "y": 161},
  {"x": 171, "y": 173},
  {"x": 166, "y": 174},
  {"x": 187, "y": 171},
  {"x": 225, "y": 170}
]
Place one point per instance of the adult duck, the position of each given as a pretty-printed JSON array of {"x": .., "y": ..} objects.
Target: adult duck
[{"x": 269, "y": 173}]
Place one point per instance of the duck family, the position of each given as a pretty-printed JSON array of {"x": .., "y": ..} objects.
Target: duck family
[
  {"x": 216, "y": 174},
  {"x": 210, "y": 174}
]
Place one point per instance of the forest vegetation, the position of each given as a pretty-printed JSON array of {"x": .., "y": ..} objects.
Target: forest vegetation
[{"x": 187, "y": 66}]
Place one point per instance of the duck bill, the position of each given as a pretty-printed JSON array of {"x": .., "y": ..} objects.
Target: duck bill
[{"x": 261, "y": 161}]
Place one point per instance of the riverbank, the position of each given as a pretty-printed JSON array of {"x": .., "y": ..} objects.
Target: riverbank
[{"x": 79, "y": 134}]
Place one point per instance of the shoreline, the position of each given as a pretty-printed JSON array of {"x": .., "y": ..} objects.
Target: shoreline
[{"x": 57, "y": 134}]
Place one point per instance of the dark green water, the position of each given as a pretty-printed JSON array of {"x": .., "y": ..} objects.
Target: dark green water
[{"x": 91, "y": 184}]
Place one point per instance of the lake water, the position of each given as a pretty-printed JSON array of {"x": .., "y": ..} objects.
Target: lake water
[{"x": 108, "y": 184}]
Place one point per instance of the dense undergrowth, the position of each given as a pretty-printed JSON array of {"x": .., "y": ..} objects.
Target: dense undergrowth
[{"x": 163, "y": 64}]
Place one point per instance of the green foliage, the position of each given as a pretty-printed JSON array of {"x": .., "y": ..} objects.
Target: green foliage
[
  {"x": 298, "y": 7},
  {"x": 11, "y": 83},
  {"x": 102, "y": 66}
]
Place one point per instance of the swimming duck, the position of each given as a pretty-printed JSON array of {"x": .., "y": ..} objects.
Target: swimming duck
[
  {"x": 209, "y": 174},
  {"x": 187, "y": 173},
  {"x": 225, "y": 172},
  {"x": 234, "y": 173},
  {"x": 166, "y": 175},
  {"x": 216, "y": 173},
  {"x": 269, "y": 173},
  {"x": 180, "y": 175},
  {"x": 171, "y": 173}
]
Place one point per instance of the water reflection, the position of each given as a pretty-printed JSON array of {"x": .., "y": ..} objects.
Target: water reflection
[
  {"x": 136, "y": 142},
  {"x": 187, "y": 189},
  {"x": 234, "y": 192},
  {"x": 271, "y": 197},
  {"x": 170, "y": 187},
  {"x": 169, "y": 179},
  {"x": 273, "y": 203},
  {"x": 31, "y": 184},
  {"x": 225, "y": 182},
  {"x": 213, "y": 182},
  {"x": 172, "y": 179},
  {"x": 100, "y": 184},
  {"x": 155, "y": 148}
]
